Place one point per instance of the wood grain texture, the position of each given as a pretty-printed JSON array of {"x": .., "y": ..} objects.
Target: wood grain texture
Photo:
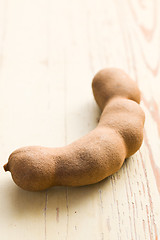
[{"x": 49, "y": 52}]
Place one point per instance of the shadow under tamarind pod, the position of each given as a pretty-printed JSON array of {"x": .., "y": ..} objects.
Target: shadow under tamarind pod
[{"x": 97, "y": 155}]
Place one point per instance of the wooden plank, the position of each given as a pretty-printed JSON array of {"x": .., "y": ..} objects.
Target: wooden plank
[{"x": 49, "y": 52}]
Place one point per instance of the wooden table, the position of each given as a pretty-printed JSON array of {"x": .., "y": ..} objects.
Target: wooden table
[{"x": 49, "y": 52}]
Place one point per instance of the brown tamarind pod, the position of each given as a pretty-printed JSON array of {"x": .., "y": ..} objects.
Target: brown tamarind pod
[{"x": 100, "y": 153}]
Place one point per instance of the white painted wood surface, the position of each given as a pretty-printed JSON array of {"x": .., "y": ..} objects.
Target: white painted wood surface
[{"x": 49, "y": 52}]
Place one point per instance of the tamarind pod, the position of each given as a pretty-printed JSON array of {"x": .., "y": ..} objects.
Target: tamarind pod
[{"x": 100, "y": 153}]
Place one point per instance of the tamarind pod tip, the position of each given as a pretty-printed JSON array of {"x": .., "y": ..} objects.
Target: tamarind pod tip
[{"x": 6, "y": 167}]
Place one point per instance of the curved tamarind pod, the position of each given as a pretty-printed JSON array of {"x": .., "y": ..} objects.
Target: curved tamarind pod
[{"x": 100, "y": 153}]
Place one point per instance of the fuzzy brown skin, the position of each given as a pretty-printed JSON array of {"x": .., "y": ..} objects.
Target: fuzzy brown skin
[{"x": 97, "y": 155}]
